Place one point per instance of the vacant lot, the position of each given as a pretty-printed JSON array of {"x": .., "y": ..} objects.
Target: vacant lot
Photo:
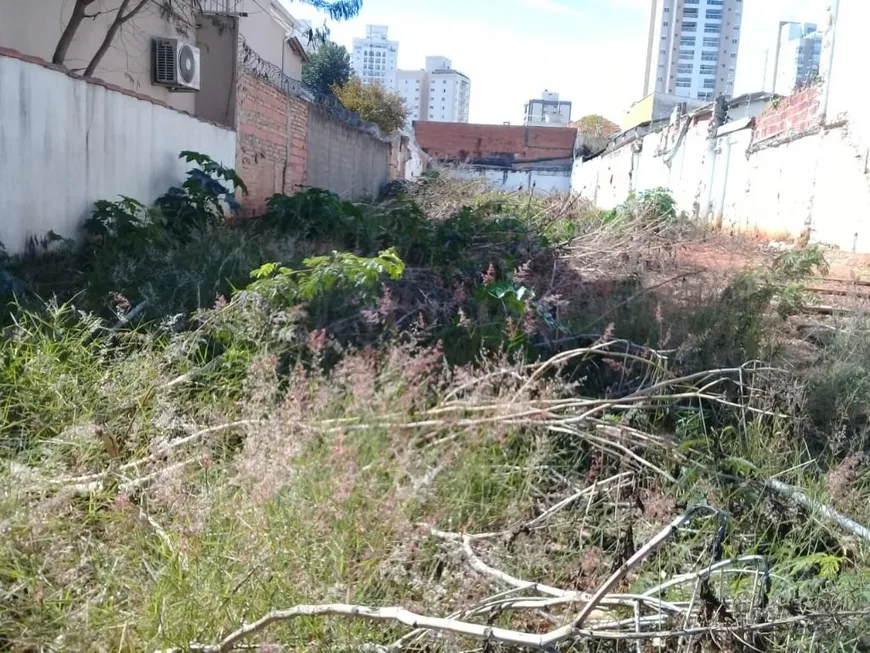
[{"x": 447, "y": 420}]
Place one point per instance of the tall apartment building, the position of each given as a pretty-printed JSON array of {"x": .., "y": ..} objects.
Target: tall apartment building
[
  {"x": 547, "y": 111},
  {"x": 692, "y": 48},
  {"x": 449, "y": 91},
  {"x": 800, "y": 54},
  {"x": 375, "y": 57},
  {"x": 413, "y": 86}
]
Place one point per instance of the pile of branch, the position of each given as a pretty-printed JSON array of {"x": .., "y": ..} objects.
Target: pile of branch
[
  {"x": 680, "y": 608},
  {"x": 601, "y": 615}
]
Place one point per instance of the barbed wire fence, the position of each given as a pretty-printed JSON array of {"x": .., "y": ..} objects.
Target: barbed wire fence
[{"x": 255, "y": 65}]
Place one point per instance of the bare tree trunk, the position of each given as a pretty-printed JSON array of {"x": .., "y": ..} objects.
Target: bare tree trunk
[
  {"x": 78, "y": 15},
  {"x": 120, "y": 19}
]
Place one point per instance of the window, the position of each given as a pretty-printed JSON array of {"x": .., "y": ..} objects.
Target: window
[
  {"x": 713, "y": 14},
  {"x": 708, "y": 70},
  {"x": 710, "y": 83},
  {"x": 687, "y": 55},
  {"x": 685, "y": 69},
  {"x": 712, "y": 29},
  {"x": 684, "y": 82},
  {"x": 714, "y": 3},
  {"x": 711, "y": 41},
  {"x": 690, "y": 27},
  {"x": 705, "y": 96},
  {"x": 688, "y": 41},
  {"x": 709, "y": 56},
  {"x": 690, "y": 13}
]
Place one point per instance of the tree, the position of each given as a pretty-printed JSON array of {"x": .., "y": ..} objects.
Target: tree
[
  {"x": 328, "y": 67},
  {"x": 178, "y": 10},
  {"x": 373, "y": 103},
  {"x": 595, "y": 126}
]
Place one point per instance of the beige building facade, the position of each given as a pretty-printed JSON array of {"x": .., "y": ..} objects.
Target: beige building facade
[{"x": 35, "y": 27}]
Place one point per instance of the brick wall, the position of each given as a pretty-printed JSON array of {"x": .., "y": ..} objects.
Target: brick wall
[
  {"x": 463, "y": 142},
  {"x": 272, "y": 141},
  {"x": 791, "y": 116},
  {"x": 285, "y": 142}
]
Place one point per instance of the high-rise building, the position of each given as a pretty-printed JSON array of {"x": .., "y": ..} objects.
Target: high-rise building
[
  {"x": 375, "y": 57},
  {"x": 548, "y": 111},
  {"x": 413, "y": 86},
  {"x": 449, "y": 91},
  {"x": 692, "y": 48},
  {"x": 800, "y": 54}
]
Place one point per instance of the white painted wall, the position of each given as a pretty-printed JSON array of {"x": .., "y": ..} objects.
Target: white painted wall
[
  {"x": 816, "y": 181},
  {"x": 543, "y": 182},
  {"x": 33, "y": 27},
  {"x": 848, "y": 96},
  {"x": 65, "y": 143}
]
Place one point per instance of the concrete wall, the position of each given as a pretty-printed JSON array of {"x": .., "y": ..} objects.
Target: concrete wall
[
  {"x": 66, "y": 142},
  {"x": 343, "y": 159},
  {"x": 287, "y": 141},
  {"x": 847, "y": 95},
  {"x": 34, "y": 28},
  {"x": 784, "y": 176},
  {"x": 542, "y": 182},
  {"x": 217, "y": 38}
]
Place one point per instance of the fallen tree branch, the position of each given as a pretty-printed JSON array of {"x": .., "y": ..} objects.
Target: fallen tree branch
[
  {"x": 491, "y": 633},
  {"x": 819, "y": 508},
  {"x": 640, "y": 555}
]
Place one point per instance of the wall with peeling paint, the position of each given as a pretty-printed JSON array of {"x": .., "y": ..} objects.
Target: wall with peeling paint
[{"x": 780, "y": 179}]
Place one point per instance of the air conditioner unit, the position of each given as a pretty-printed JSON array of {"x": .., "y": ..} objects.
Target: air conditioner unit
[{"x": 176, "y": 65}]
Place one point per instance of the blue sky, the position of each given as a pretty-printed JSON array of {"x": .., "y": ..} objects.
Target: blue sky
[{"x": 590, "y": 51}]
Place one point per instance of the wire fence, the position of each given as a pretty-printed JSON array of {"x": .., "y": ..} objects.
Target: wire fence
[{"x": 255, "y": 65}]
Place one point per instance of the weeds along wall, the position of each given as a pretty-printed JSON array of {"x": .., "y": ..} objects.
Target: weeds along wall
[
  {"x": 66, "y": 142},
  {"x": 785, "y": 174},
  {"x": 288, "y": 138}
]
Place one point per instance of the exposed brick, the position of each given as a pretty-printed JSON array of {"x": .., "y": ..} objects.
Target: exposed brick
[
  {"x": 470, "y": 142},
  {"x": 792, "y": 115}
]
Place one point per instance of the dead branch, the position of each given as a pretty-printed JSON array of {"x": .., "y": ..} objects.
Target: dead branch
[
  {"x": 640, "y": 555},
  {"x": 819, "y": 508},
  {"x": 69, "y": 32},
  {"x": 494, "y": 634},
  {"x": 120, "y": 19}
]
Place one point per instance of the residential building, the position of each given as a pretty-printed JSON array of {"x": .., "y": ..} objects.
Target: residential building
[
  {"x": 413, "y": 86},
  {"x": 449, "y": 91},
  {"x": 548, "y": 111},
  {"x": 692, "y": 48},
  {"x": 264, "y": 25},
  {"x": 800, "y": 53},
  {"x": 375, "y": 57},
  {"x": 656, "y": 107}
]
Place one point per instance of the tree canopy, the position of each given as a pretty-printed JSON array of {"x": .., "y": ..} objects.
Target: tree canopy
[
  {"x": 373, "y": 103},
  {"x": 596, "y": 126},
  {"x": 328, "y": 67}
]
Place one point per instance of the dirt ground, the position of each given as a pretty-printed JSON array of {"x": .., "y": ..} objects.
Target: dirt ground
[{"x": 845, "y": 287}]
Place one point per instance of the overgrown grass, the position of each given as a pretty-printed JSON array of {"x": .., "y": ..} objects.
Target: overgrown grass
[{"x": 248, "y": 443}]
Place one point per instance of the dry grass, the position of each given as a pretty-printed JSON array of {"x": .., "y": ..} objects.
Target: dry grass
[{"x": 158, "y": 491}]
